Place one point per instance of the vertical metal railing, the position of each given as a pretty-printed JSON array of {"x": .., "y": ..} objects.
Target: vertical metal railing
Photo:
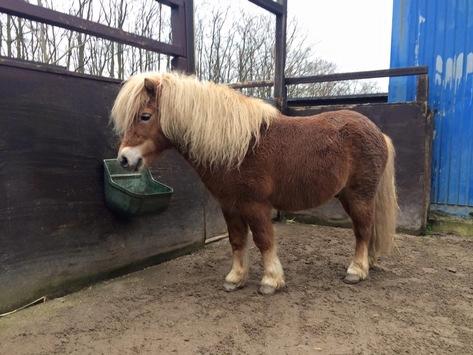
[
  {"x": 182, "y": 29},
  {"x": 279, "y": 9}
]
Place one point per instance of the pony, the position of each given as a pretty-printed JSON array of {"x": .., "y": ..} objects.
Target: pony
[{"x": 252, "y": 158}]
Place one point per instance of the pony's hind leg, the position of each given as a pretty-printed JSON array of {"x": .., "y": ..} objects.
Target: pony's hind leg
[
  {"x": 259, "y": 220},
  {"x": 362, "y": 216},
  {"x": 238, "y": 235}
]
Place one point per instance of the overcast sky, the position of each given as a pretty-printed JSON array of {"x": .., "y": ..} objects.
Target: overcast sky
[{"x": 354, "y": 34}]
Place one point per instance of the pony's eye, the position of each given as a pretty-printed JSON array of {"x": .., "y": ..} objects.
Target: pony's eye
[{"x": 145, "y": 116}]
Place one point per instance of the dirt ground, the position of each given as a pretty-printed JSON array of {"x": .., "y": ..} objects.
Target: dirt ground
[{"x": 420, "y": 301}]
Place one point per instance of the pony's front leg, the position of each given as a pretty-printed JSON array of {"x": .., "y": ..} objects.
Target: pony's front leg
[
  {"x": 238, "y": 235},
  {"x": 260, "y": 224}
]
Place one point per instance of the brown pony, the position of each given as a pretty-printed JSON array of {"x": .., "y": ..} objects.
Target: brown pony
[{"x": 252, "y": 159}]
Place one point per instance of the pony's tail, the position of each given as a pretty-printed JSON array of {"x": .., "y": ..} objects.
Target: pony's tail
[{"x": 386, "y": 209}]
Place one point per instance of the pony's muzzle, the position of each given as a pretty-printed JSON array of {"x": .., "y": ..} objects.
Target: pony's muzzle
[{"x": 130, "y": 158}]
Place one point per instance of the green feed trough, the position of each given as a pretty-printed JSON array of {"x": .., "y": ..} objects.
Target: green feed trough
[{"x": 133, "y": 193}]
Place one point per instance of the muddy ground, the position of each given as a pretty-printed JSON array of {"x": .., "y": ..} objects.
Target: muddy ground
[{"x": 419, "y": 302}]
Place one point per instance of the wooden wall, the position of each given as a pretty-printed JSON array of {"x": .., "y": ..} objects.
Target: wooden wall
[
  {"x": 55, "y": 232},
  {"x": 411, "y": 132}
]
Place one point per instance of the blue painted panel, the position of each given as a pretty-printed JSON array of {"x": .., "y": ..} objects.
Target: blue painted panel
[{"x": 439, "y": 34}]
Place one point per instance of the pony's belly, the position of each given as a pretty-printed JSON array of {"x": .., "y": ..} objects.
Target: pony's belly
[
  {"x": 308, "y": 187},
  {"x": 301, "y": 198}
]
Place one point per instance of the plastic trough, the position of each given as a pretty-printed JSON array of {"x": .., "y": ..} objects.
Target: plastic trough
[{"x": 133, "y": 193}]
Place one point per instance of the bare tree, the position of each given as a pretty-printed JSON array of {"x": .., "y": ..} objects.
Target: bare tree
[
  {"x": 9, "y": 38},
  {"x": 84, "y": 8},
  {"x": 228, "y": 48}
]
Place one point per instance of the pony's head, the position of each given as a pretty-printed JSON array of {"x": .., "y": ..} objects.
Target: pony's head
[
  {"x": 136, "y": 118},
  {"x": 210, "y": 124}
]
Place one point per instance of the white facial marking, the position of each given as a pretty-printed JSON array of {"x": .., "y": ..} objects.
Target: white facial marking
[{"x": 132, "y": 154}]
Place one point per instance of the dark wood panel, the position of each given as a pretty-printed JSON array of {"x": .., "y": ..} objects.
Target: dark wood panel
[
  {"x": 280, "y": 91},
  {"x": 410, "y": 131},
  {"x": 182, "y": 29},
  {"x": 214, "y": 222},
  {"x": 55, "y": 231}
]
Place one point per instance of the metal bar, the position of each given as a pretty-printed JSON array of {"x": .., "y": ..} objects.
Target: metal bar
[
  {"x": 190, "y": 40},
  {"x": 13, "y": 61},
  {"x": 357, "y": 75},
  {"x": 182, "y": 30},
  {"x": 56, "y": 18},
  {"x": 271, "y": 6},
  {"x": 252, "y": 84},
  {"x": 280, "y": 93},
  {"x": 337, "y": 100},
  {"x": 422, "y": 89},
  {"x": 54, "y": 69},
  {"x": 171, "y": 3},
  {"x": 335, "y": 77}
]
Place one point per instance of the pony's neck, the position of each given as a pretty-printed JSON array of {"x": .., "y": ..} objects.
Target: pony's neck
[{"x": 213, "y": 123}]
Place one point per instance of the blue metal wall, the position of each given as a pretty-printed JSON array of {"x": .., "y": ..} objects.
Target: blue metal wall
[{"x": 439, "y": 34}]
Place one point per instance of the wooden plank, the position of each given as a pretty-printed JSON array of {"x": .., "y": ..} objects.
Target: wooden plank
[
  {"x": 411, "y": 133},
  {"x": 73, "y": 23},
  {"x": 422, "y": 89},
  {"x": 182, "y": 29},
  {"x": 271, "y": 6},
  {"x": 171, "y": 3},
  {"x": 189, "y": 40},
  {"x": 357, "y": 75},
  {"x": 337, "y": 100},
  {"x": 252, "y": 84},
  {"x": 280, "y": 58},
  {"x": 55, "y": 232},
  {"x": 53, "y": 69},
  {"x": 335, "y": 77}
]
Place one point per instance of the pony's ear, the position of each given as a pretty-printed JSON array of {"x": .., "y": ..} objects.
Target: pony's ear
[{"x": 150, "y": 87}]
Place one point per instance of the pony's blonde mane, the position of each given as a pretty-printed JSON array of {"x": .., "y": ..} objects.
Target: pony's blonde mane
[{"x": 212, "y": 123}]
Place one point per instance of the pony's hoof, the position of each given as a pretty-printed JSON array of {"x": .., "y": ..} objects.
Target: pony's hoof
[
  {"x": 267, "y": 290},
  {"x": 230, "y": 287},
  {"x": 352, "y": 279}
]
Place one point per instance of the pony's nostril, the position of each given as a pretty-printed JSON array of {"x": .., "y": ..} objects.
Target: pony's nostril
[{"x": 123, "y": 161}]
